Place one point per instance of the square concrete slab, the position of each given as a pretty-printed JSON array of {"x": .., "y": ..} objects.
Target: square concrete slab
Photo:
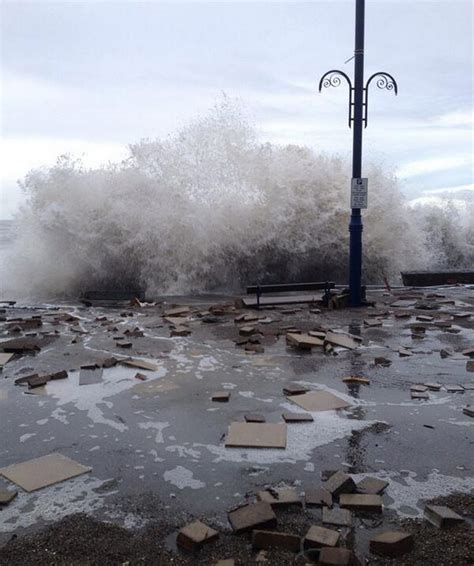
[
  {"x": 90, "y": 376},
  {"x": 318, "y": 498},
  {"x": 319, "y": 401},
  {"x": 140, "y": 364},
  {"x": 372, "y": 486},
  {"x": 42, "y": 472},
  {"x": 442, "y": 516},
  {"x": 194, "y": 535},
  {"x": 391, "y": 543},
  {"x": 256, "y": 435},
  {"x": 338, "y": 517},
  {"x": 5, "y": 358},
  {"x": 361, "y": 502},
  {"x": 283, "y": 497}
]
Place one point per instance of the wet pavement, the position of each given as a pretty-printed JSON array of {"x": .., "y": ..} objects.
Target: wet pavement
[{"x": 164, "y": 437}]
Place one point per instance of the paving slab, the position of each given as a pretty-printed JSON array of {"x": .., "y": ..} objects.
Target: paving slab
[
  {"x": 319, "y": 401},
  {"x": 391, "y": 543},
  {"x": 44, "y": 471},
  {"x": 254, "y": 418},
  {"x": 90, "y": 376},
  {"x": 282, "y": 497},
  {"x": 361, "y": 502},
  {"x": 318, "y": 498},
  {"x": 338, "y": 517},
  {"x": 221, "y": 396},
  {"x": 262, "y": 539},
  {"x": 304, "y": 341},
  {"x": 338, "y": 483},
  {"x": 318, "y": 537},
  {"x": 294, "y": 389},
  {"x": 342, "y": 340},
  {"x": 195, "y": 535},
  {"x": 297, "y": 417},
  {"x": 372, "y": 486},
  {"x": 441, "y": 516},
  {"x": 6, "y": 496},
  {"x": 5, "y": 358},
  {"x": 256, "y": 435},
  {"x": 140, "y": 364},
  {"x": 252, "y": 516},
  {"x": 337, "y": 557}
]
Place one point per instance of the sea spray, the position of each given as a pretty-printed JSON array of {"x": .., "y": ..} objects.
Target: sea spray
[{"x": 209, "y": 208}]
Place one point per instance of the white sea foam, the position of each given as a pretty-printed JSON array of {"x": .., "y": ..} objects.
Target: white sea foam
[{"x": 213, "y": 208}]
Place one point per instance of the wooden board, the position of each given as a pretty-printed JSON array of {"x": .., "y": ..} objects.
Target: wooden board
[
  {"x": 319, "y": 401},
  {"x": 42, "y": 472},
  {"x": 256, "y": 435}
]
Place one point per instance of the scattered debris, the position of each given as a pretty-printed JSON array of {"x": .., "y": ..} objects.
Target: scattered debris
[
  {"x": 454, "y": 388},
  {"x": 381, "y": 361},
  {"x": 180, "y": 331},
  {"x": 256, "y": 435},
  {"x": 140, "y": 376},
  {"x": 41, "y": 472},
  {"x": 404, "y": 353},
  {"x": 342, "y": 340},
  {"x": 177, "y": 311},
  {"x": 124, "y": 344}
]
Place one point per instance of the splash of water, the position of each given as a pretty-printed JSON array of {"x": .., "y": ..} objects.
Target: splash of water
[{"x": 210, "y": 208}]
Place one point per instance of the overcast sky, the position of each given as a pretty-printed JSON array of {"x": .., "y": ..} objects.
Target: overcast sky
[{"x": 91, "y": 77}]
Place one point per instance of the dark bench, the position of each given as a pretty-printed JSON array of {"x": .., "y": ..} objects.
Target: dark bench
[{"x": 259, "y": 290}]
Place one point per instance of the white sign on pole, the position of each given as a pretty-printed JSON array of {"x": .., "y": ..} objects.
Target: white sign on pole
[{"x": 359, "y": 193}]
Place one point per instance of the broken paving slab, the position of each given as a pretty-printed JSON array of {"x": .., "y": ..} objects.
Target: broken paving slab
[
  {"x": 256, "y": 435},
  {"x": 419, "y": 395},
  {"x": 319, "y": 537},
  {"x": 252, "y": 516},
  {"x": 342, "y": 340},
  {"x": 294, "y": 389},
  {"x": 90, "y": 376},
  {"x": 391, "y": 543},
  {"x": 356, "y": 380},
  {"x": 281, "y": 497},
  {"x": 361, "y": 502},
  {"x": 7, "y": 496},
  {"x": 454, "y": 388},
  {"x": 254, "y": 418},
  {"x": 468, "y": 411},
  {"x": 318, "y": 498},
  {"x": 441, "y": 516},
  {"x": 193, "y": 536},
  {"x": 338, "y": 557},
  {"x": 433, "y": 386},
  {"x": 140, "y": 364},
  {"x": 372, "y": 486},
  {"x": 319, "y": 401},
  {"x": 32, "y": 475},
  {"x": 298, "y": 417},
  {"x": 5, "y": 358},
  {"x": 418, "y": 388},
  {"x": 180, "y": 331},
  {"x": 338, "y": 483},
  {"x": 20, "y": 345},
  {"x": 221, "y": 397},
  {"x": 177, "y": 312},
  {"x": 262, "y": 539},
  {"x": 304, "y": 341},
  {"x": 338, "y": 517}
]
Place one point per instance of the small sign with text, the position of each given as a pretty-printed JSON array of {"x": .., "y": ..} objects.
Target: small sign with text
[{"x": 359, "y": 193}]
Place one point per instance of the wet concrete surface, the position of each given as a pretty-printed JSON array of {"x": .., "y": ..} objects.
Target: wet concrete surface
[{"x": 163, "y": 438}]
